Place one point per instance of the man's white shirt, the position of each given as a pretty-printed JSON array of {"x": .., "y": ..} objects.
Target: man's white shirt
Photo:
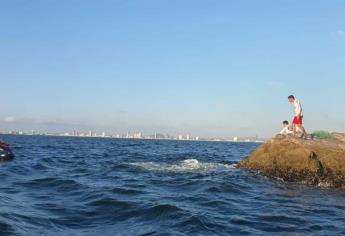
[{"x": 298, "y": 107}]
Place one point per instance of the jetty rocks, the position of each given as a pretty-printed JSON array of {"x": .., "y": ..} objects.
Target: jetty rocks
[{"x": 318, "y": 162}]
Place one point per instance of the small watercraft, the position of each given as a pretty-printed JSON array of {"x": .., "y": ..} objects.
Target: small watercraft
[{"x": 5, "y": 152}]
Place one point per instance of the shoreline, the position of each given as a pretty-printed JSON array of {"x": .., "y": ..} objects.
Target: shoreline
[{"x": 148, "y": 139}]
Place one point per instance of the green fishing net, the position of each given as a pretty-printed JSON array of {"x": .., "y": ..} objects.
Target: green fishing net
[{"x": 323, "y": 134}]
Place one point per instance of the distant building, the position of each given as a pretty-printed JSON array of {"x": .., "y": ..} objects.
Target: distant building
[
  {"x": 138, "y": 135},
  {"x": 235, "y": 139},
  {"x": 160, "y": 136}
]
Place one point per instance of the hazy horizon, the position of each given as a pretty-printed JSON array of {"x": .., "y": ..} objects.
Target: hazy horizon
[{"x": 207, "y": 68}]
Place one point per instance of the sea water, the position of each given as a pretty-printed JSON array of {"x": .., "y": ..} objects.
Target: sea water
[{"x": 90, "y": 186}]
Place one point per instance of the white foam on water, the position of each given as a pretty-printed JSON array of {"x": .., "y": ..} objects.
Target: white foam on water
[{"x": 188, "y": 165}]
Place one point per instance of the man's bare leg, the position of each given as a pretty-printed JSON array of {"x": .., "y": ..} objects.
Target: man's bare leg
[
  {"x": 294, "y": 129},
  {"x": 305, "y": 135}
]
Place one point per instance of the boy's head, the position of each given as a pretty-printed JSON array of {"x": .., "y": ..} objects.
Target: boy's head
[
  {"x": 291, "y": 98},
  {"x": 285, "y": 123}
]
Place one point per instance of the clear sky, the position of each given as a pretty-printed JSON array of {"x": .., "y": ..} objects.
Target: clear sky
[{"x": 210, "y": 68}]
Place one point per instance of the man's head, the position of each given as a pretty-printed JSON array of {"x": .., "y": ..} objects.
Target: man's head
[
  {"x": 291, "y": 98},
  {"x": 285, "y": 123}
]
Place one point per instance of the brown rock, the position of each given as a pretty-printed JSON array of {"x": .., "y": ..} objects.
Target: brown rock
[
  {"x": 339, "y": 136},
  {"x": 315, "y": 162}
]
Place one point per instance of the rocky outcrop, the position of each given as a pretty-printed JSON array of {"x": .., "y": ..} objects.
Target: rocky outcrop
[
  {"x": 339, "y": 136},
  {"x": 314, "y": 162}
]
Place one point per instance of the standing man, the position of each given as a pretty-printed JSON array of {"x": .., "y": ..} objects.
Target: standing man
[{"x": 298, "y": 119}]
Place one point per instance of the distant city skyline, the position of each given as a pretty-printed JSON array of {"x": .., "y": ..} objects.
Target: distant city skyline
[
  {"x": 135, "y": 135},
  {"x": 212, "y": 69}
]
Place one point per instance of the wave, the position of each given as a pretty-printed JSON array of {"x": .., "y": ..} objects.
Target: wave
[
  {"x": 6, "y": 229},
  {"x": 187, "y": 165}
]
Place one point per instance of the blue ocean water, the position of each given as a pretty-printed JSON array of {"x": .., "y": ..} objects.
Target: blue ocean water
[{"x": 89, "y": 186}]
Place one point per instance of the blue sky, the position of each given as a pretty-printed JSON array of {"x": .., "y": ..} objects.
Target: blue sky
[{"x": 210, "y": 68}]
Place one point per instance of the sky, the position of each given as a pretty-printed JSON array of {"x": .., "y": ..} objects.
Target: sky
[{"x": 208, "y": 68}]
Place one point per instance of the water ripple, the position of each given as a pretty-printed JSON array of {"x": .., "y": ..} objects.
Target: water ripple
[{"x": 76, "y": 186}]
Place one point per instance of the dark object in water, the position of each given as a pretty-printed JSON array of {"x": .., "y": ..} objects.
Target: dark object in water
[{"x": 5, "y": 152}]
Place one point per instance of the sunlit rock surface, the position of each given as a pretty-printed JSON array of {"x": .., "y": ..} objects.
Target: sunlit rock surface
[{"x": 314, "y": 162}]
